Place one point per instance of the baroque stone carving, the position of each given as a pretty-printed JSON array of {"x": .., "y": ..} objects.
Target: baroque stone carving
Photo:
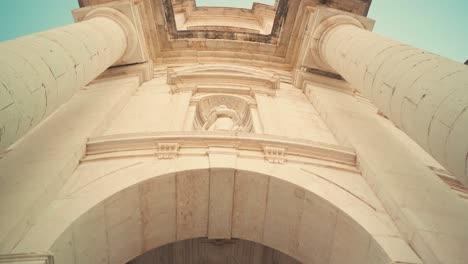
[
  {"x": 222, "y": 119},
  {"x": 167, "y": 150},
  {"x": 274, "y": 154},
  {"x": 223, "y": 113}
]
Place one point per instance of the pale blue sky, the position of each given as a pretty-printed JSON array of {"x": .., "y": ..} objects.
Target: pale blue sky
[{"x": 439, "y": 26}]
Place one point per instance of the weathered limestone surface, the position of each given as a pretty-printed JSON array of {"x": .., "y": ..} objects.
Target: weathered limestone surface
[
  {"x": 431, "y": 217},
  {"x": 121, "y": 169},
  {"x": 169, "y": 111},
  {"x": 40, "y": 72},
  {"x": 424, "y": 94},
  {"x": 284, "y": 210},
  {"x": 32, "y": 173}
]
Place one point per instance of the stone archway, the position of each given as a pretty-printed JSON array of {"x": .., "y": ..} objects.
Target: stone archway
[
  {"x": 213, "y": 251},
  {"x": 127, "y": 198},
  {"x": 176, "y": 206}
]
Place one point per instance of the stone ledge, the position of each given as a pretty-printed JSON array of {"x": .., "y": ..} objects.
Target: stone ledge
[
  {"x": 198, "y": 143},
  {"x": 144, "y": 72},
  {"x": 222, "y": 78}
]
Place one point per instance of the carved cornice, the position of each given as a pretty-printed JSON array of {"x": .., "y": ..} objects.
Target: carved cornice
[
  {"x": 281, "y": 13},
  {"x": 218, "y": 45},
  {"x": 198, "y": 143},
  {"x": 216, "y": 78}
]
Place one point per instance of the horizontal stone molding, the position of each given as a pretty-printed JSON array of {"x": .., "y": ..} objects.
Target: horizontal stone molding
[
  {"x": 223, "y": 78},
  {"x": 198, "y": 143},
  {"x": 27, "y": 258},
  {"x": 144, "y": 72}
]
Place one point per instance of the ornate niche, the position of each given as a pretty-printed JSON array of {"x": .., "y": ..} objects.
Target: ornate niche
[
  {"x": 223, "y": 96},
  {"x": 221, "y": 112}
]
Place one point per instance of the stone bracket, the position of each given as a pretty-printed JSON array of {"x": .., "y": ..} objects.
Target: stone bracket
[
  {"x": 275, "y": 155},
  {"x": 167, "y": 150},
  {"x": 138, "y": 52}
]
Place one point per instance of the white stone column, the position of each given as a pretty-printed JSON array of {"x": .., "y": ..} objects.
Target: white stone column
[
  {"x": 40, "y": 72},
  {"x": 423, "y": 94}
]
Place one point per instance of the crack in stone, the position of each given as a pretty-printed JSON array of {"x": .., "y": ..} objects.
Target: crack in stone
[
  {"x": 450, "y": 132},
  {"x": 466, "y": 163},
  {"x": 93, "y": 56},
  {"x": 401, "y": 76},
  {"x": 11, "y": 97},
  {"x": 2, "y": 132},
  {"x": 25, "y": 60},
  {"x": 445, "y": 140},
  {"x": 46, "y": 102},
  {"x": 31, "y": 121},
  {"x": 452, "y": 73},
  {"x": 8, "y": 105},
  {"x": 422, "y": 74},
  {"x": 50, "y": 69},
  {"x": 383, "y": 62},
  {"x": 405, "y": 99},
  {"x": 83, "y": 43},
  {"x": 8, "y": 90},
  {"x": 17, "y": 125}
]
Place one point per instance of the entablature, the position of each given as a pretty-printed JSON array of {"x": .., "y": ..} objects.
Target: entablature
[
  {"x": 222, "y": 78},
  {"x": 275, "y": 149},
  {"x": 207, "y": 42}
]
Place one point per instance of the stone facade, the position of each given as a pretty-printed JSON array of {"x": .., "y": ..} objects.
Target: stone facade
[{"x": 156, "y": 131}]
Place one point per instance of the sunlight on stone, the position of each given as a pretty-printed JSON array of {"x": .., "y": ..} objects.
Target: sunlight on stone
[
  {"x": 230, "y": 3},
  {"x": 156, "y": 132}
]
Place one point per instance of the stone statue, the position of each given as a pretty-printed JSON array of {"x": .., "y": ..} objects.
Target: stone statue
[{"x": 222, "y": 118}]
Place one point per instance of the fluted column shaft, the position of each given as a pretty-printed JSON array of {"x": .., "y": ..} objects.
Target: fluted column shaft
[
  {"x": 423, "y": 94},
  {"x": 40, "y": 72}
]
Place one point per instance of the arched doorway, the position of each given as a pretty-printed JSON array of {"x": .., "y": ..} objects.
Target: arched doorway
[
  {"x": 213, "y": 251},
  {"x": 116, "y": 210}
]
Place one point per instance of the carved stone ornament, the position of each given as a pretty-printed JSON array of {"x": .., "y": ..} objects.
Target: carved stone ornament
[
  {"x": 274, "y": 155},
  {"x": 222, "y": 119},
  {"x": 167, "y": 150},
  {"x": 223, "y": 113}
]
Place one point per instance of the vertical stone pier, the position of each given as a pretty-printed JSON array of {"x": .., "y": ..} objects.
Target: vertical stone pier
[
  {"x": 423, "y": 94},
  {"x": 40, "y": 72}
]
